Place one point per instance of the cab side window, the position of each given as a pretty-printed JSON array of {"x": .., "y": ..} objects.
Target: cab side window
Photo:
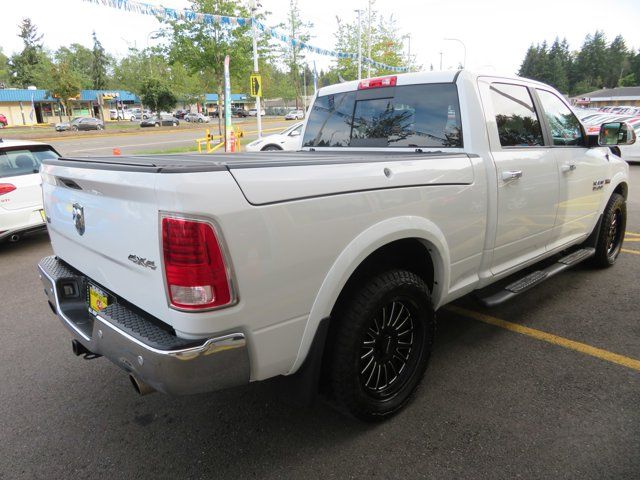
[
  {"x": 516, "y": 117},
  {"x": 564, "y": 125}
]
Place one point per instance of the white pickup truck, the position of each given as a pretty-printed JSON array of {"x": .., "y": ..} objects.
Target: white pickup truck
[{"x": 199, "y": 273}]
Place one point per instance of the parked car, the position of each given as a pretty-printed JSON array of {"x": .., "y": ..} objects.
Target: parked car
[
  {"x": 3, "y": 121},
  {"x": 160, "y": 120},
  {"x": 179, "y": 114},
  {"x": 327, "y": 265},
  {"x": 196, "y": 117},
  {"x": 252, "y": 112},
  {"x": 21, "y": 210},
  {"x": 80, "y": 123},
  {"x": 287, "y": 140},
  {"x": 294, "y": 115},
  {"x": 239, "y": 112},
  {"x": 138, "y": 115}
]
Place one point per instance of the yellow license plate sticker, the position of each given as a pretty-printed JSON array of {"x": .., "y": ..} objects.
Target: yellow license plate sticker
[{"x": 98, "y": 300}]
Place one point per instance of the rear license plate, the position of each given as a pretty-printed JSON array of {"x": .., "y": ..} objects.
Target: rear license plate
[{"x": 98, "y": 300}]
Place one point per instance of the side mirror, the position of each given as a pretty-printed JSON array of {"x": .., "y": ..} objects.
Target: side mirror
[{"x": 616, "y": 133}]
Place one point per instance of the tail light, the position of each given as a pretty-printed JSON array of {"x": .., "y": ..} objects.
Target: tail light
[
  {"x": 378, "y": 82},
  {"x": 196, "y": 272},
  {"x": 6, "y": 188}
]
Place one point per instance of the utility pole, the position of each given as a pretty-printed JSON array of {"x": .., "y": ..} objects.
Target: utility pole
[
  {"x": 369, "y": 41},
  {"x": 359, "y": 12},
  {"x": 440, "y": 61},
  {"x": 254, "y": 30}
]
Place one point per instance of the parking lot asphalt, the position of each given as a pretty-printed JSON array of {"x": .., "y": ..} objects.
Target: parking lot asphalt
[{"x": 496, "y": 403}]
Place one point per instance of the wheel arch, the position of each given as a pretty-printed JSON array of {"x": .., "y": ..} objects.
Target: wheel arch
[
  {"x": 400, "y": 240},
  {"x": 270, "y": 145}
]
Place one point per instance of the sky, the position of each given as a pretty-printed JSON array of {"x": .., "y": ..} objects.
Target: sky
[{"x": 495, "y": 33}]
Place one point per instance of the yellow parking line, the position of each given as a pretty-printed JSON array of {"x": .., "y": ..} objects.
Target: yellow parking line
[
  {"x": 626, "y": 250},
  {"x": 549, "y": 338},
  {"x": 632, "y": 233},
  {"x": 632, "y": 239}
]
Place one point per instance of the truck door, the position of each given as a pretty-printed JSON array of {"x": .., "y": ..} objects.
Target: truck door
[
  {"x": 526, "y": 172},
  {"x": 578, "y": 168}
]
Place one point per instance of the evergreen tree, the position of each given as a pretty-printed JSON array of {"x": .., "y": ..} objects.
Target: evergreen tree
[
  {"x": 295, "y": 58},
  {"x": 32, "y": 65},
  {"x": 99, "y": 64},
  {"x": 618, "y": 62}
]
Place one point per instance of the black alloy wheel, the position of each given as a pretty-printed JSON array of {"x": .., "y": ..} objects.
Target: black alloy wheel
[
  {"x": 379, "y": 344},
  {"x": 611, "y": 233}
]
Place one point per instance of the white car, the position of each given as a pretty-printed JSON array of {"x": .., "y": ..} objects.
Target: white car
[
  {"x": 253, "y": 111},
  {"x": 294, "y": 115},
  {"x": 21, "y": 210},
  {"x": 287, "y": 140}
]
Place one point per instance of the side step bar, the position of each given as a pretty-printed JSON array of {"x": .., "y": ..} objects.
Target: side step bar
[{"x": 537, "y": 277}]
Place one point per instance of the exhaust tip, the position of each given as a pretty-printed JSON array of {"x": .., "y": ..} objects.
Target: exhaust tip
[{"x": 141, "y": 387}]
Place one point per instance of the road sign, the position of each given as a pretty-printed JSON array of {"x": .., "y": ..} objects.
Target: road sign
[{"x": 256, "y": 85}]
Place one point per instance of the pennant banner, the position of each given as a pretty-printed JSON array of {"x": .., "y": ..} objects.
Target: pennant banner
[{"x": 206, "y": 18}]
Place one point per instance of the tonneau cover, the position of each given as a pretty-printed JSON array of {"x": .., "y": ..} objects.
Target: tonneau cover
[{"x": 189, "y": 163}]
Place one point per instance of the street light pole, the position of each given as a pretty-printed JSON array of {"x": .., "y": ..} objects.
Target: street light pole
[
  {"x": 359, "y": 44},
  {"x": 440, "y": 61},
  {"x": 254, "y": 30},
  {"x": 464, "y": 61}
]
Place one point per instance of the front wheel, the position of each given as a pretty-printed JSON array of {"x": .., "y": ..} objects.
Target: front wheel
[
  {"x": 380, "y": 345},
  {"x": 611, "y": 234}
]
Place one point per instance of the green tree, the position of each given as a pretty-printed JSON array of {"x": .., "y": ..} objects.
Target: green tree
[
  {"x": 80, "y": 60},
  {"x": 5, "y": 73},
  {"x": 386, "y": 46},
  {"x": 293, "y": 54},
  {"x": 32, "y": 65},
  {"x": 617, "y": 62},
  {"x": 591, "y": 61},
  {"x": 65, "y": 83},
  {"x": 202, "y": 47},
  {"x": 157, "y": 95},
  {"x": 99, "y": 64}
]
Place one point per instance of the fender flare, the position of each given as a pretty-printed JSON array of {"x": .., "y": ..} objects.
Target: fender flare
[
  {"x": 357, "y": 251},
  {"x": 617, "y": 179}
]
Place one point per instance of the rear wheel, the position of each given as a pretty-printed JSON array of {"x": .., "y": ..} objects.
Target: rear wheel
[
  {"x": 611, "y": 234},
  {"x": 380, "y": 345}
]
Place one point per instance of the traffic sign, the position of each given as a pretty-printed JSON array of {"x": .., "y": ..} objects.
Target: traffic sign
[{"x": 256, "y": 85}]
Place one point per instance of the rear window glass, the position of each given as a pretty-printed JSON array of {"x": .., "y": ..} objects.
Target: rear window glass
[
  {"x": 23, "y": 161},
  {"x": 406, "y": 116}
]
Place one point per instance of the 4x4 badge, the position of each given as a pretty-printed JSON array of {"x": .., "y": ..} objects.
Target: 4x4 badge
[{"x": 143, "y": 262}]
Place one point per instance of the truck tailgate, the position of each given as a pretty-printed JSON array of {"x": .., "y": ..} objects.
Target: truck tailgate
[{"x": 97, "y": 219}]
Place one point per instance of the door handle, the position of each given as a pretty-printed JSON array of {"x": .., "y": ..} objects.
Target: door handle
[
  {"x": 568, "y": 167},
  {"x": 511, "y": 175}
]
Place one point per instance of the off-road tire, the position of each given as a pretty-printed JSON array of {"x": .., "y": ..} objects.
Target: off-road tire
[
  {"x": 611, "y": 233},
  {"x": 354, "y": 325}
]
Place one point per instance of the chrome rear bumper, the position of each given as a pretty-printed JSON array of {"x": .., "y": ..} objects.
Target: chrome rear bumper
[{"x": 139, "y": 343}]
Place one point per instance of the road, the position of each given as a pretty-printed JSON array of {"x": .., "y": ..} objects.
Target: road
[
  {"x": 150, "y": 139},
  {"x": 496, "y": 403}
]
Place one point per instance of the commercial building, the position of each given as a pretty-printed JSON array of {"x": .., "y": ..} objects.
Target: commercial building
[
  {"x": 237, "y": 100},
  {"x": 33, "y": 106},
  {"x": 609, "y": 96}
]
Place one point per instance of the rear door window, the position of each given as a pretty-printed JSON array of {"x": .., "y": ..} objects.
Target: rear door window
[
  {"x": 17, "y": 162},
  {"x": 516, "y": 117},
  {"x": 412, "y": 116}
]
